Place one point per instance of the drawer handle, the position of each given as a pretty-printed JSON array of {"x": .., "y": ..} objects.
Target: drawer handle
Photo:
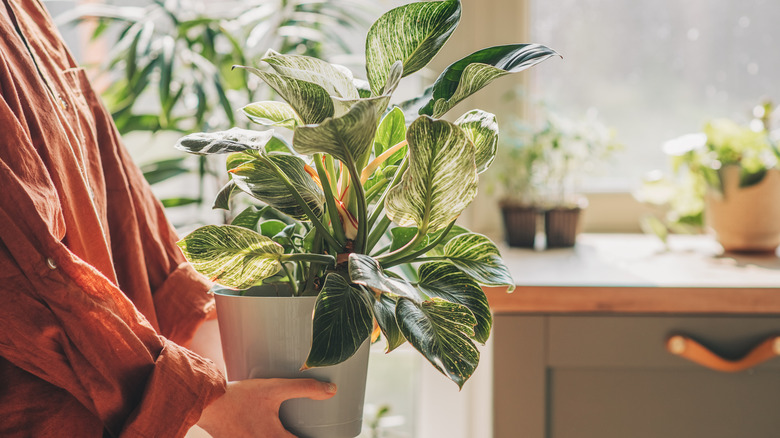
[{"x": 687, "y": 348}]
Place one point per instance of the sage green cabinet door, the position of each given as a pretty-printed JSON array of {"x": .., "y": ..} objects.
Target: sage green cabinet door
[
  {"x": 612, "y": 377},
  {"x": 663, "y": 403}
]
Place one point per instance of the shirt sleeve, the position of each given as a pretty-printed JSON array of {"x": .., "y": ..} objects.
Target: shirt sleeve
[{"x": 66, "y": 323}]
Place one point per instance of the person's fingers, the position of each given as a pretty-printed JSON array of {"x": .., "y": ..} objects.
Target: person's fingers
[{"x": 285, "y": 389}]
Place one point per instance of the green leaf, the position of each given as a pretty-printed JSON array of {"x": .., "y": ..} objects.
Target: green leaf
[
  {"x": 270, "y": 228},
  {"x": 482, "y": 129},
  {"x": 384, "y": 312},
  {"x": 162, "y": 170},
  {"x": 342, "y": 322},
  {"x": 248, "y": 218},
  {"x": 166, "y": 60},
  {"x": 365, "y": 270},
  {"x": 478, "y": 257},
  {"x": 261, "y": 181},
  {"x": 222, "y": 200},
  {"x": 312, "y": 102},
  {"x": 444, "y": 280},
  {"x": 223, "y": 142},
  {"x": 335, "y": 79},
  {"x": 231, "y": 256},
  {"x": 413, "y": 34},
  {"x": 747, "y": 178},
  {"x": 441, "y": 179},
  {"x": 402, "y": 236},
  {"x": 467, "y": 76},
  {"x": 271, "y": 113},
  {"x": 391, "y": 131},
  {"x": 347, "y": 138},
  {"x": 178, "y": 202},
  {"x": 442, "y": 332}
]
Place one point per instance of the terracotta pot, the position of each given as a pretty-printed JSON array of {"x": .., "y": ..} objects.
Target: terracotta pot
[
  {"x": 270, "y": 336},
  {"x": 745, "y": 219},
  {"x": 520, "y": 225},
  {"x": 561, "y": 226}
]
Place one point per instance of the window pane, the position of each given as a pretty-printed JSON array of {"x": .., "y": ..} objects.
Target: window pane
[{"x": 656, "y": 69}]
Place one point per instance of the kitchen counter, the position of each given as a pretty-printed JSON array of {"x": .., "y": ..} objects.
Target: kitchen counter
[{"x": 634, "y": 273}]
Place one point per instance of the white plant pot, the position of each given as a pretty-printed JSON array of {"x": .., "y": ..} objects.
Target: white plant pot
[
  {"x": 270, "y": 337},
  {"x": 746, "y": 219}
]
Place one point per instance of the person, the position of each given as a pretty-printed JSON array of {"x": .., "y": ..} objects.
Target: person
[{"x": 98, "y": 303}]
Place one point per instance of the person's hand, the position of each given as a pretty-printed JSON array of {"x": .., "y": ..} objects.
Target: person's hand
[{"x": 250, "y": 408}]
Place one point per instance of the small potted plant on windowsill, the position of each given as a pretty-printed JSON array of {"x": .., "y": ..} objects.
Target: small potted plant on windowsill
[
  {"x": 725, "y": 177},
  {"x": 361, "y": 194},
  {"x": 542, "y": 170}
]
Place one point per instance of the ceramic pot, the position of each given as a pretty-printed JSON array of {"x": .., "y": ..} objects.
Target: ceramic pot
[
  {"x": 519, "y": 225},
  {"x": 745, "y": 219},
  {"x": 561, "y": 226},
  {"x": 270, "y": 336}
]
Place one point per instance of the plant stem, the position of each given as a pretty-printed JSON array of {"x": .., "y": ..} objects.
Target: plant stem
[
  {"x": 362, "y": 233},
  {"x": 323, "y": 259},
  {"x": 290, "y": 279},
  {"x": 380, "y": 205},
  {"x": 400, "y": 259},
  {"x": 335, "y": 220},
  {"x": 309, "y": 213},
  {"x": 376, "y": 162},
  {"x": 375, "y": 190},
  {"x": 377, "y": 232},
  {"x": 390, "y": 259}
]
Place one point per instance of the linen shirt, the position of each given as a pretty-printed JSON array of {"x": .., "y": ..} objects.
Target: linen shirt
[{"x": 95, "y": 297}]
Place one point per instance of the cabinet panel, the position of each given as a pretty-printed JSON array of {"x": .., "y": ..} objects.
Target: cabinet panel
[
  {"x": 663, "y": 403},
  {"x": 620, "y": 341}
]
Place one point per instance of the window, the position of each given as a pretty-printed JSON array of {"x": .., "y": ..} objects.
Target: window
[{"x": 655, "y": 70}]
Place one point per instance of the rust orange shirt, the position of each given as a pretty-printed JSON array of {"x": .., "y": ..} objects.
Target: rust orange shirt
[{"x": 95, "y": 297}]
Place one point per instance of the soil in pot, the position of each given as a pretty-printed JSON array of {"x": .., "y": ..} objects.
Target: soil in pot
[
  {"x": 519, "y": 225},
  {"x": 270, "y": 336}
]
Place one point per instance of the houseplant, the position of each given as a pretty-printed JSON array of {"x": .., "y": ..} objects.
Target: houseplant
[
  {"x": 725, "y": 177},
  {"x": 362, "y": 194},
  {"x": 542, "y": 167}
]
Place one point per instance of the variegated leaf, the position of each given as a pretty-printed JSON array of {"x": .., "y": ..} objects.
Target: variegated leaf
[
  {"x": 384, "y": 312},
  {"x": 380, "y": 102},
  {"x": 444, "y": 280},
  {"x": 365, "y": 270},
  {"x": 442, "y": 332},
  {"x": 224, "y": 142},
  {"x": 272, "y": 113},
  {"x": 478, "y": 257},
  {"x": 337, "y": 80},
  {"x": 441, "y": 179},
  {"x": 413, "y": 34},
  {"x": 482, "y": 129},
  {"x": 347, "y": 138},
  {"x": 260, "y": 180},
  {"x": 312, "y": 102},
  {"x": 231, "y": 256},
  {"x": 342, "y": 321},
  {"x": 467, "y": 76}
]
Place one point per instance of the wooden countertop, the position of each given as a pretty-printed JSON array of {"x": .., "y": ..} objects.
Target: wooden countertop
[{"x": 634, "y": 273}]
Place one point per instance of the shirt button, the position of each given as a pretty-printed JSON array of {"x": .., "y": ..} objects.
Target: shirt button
[{"x": 50, "y": 263}]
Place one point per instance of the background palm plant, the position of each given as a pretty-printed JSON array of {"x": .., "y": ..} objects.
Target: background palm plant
[
  {"x": 361, "y": 193},
  {"x": 169, "y": 65}
]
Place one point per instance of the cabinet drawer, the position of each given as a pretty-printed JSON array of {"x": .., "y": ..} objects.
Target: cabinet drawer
[{"x": 607, "y": 341}]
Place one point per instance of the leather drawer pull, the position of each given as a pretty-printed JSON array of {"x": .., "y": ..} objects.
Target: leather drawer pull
[{"x": 687, "y": 348}]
